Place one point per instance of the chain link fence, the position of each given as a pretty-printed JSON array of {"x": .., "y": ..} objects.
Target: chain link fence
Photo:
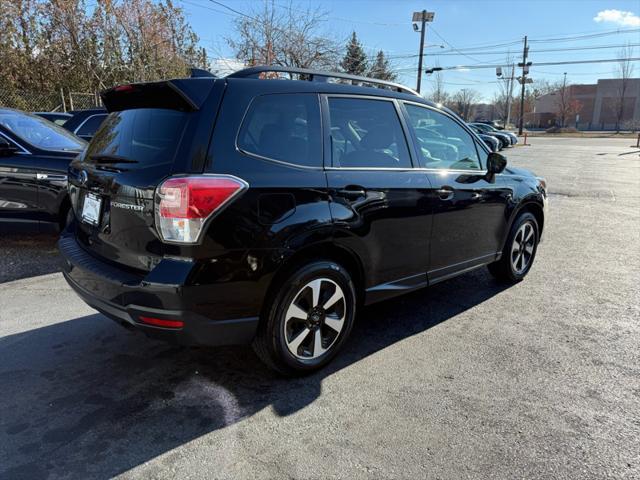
[{"x": 32, "y": 101}]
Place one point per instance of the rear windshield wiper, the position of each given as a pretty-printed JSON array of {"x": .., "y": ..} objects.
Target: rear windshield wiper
[{"x": 105, "y": 158}]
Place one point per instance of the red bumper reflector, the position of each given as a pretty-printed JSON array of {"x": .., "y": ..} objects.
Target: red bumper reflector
[{"x": 159, "y": 322}]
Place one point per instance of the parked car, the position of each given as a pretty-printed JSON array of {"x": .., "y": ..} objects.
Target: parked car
[
  {"x": 59, "y": 118},
  {"x": 493, "y": 123},
  {"x": 508, "y": 139},
  {"x": 493, "y": 143},
  {"x": 34, "y": 158},
  {"x": 85, "y": 123},
  {"x": 250, "y": 210}
]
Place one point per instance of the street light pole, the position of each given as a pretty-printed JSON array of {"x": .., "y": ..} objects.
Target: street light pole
[
  {"x": 510, "y": 97},
  {"x": 421, "y": 52},
  {"x": 423, "y": 17}
]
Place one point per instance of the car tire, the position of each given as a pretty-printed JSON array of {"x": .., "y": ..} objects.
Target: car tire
[
  {"x": 324, "y": 293},
  {"x": 519, "y": 251}
]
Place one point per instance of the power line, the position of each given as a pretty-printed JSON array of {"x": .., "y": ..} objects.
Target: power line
[
  {"x": 206, "y": 7},
  {"x": 585, "y": 37},
  {"x": 451, "y": 46},
  {"x": 237, "y": 12},
  {"x": 568, "y": 49},
  {"x": 574, "y": 62}
]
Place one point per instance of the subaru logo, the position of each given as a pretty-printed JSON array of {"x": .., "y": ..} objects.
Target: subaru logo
[{"x": 83, "y": 177}]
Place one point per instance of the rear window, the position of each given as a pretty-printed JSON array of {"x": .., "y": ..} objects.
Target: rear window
[
  {"x": 91, "y": 124},
  {"x": 147, "y": 135},
  {"x": 283, "y": 127}
]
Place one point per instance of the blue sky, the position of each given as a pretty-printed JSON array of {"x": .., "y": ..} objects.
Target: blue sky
[{"x": 459, "y": 25}]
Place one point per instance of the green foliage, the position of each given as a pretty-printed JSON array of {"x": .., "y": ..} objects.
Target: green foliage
[
  {"x": 355, "y": 60},
  {"x": 381, "y": 69}
]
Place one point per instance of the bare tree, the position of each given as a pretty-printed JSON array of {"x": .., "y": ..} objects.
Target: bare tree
[
  {"x": 503, "y": 100},
  {"x": 438, "y": 94},
  {"x": 275, "y": 35},
  {"x": 563, "y": 102},
  {"x": 625, "y": 72},
  {"x": 462, "y": 101}
]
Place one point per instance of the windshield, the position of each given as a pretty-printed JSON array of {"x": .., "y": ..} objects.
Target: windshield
[
  {"x": 39, "y": 132},
  {"x": 147, "y": 136}
]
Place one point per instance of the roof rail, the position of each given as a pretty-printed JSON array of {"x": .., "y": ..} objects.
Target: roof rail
[{"x": 320, "y": 76}]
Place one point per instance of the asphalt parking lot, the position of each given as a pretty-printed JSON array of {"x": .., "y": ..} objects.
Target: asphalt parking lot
[{"x": 467, "y": 379}]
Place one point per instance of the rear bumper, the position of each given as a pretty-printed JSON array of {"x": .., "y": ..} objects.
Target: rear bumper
[{"x": 125, "y": 297}]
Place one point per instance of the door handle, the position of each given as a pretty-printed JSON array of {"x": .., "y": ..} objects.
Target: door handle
[
  {"x": 355, "y": 192},
  {"x": 445, "y": 193},
  {"x": 47, "y": 176}
]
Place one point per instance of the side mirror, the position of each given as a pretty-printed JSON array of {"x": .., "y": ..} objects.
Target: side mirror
[
  {"x": 6, "y": 149},
  {"x": 496, "y": 163}
]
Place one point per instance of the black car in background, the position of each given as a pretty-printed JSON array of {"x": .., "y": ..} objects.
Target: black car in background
[
  {"x": 85, "y": 123},
  {"x": 506, "y": 138},
  {"x": 59, "y": 118},
  {"x": 250, "y": 209},
  {"x": 34, "y": 158},
  {"x": 492, "y": 142}
]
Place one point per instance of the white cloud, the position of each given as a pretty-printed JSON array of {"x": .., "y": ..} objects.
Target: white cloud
[{"x": 627, "y": 19}]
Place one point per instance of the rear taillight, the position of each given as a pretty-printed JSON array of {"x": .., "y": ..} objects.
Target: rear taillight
[{"x": 184, "y": 204}]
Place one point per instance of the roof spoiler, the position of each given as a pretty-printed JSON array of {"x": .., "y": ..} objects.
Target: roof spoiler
[{"x": 180, "y": 94}]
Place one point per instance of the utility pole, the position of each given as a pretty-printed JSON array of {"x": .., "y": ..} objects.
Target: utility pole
[
  {"x": 525, "y": 69},
  {"x": 423, "y": 17},
  {"x": 510, "y": 97},
  {"x": 564, "y": 100}
]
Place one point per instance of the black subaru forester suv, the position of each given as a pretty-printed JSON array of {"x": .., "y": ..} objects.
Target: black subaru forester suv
[{"x": 257, "y": 209}]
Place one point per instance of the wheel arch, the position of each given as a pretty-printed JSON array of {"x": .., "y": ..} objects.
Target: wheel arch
[
  {"x": 533, "y": 206},
  {"x": 319, "y": 251}
]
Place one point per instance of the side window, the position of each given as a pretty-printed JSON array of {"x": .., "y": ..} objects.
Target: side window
[
  {"x": 444, "y": 144},
  {"x": 367, "y": 133},
  {"x": 91, "y": 125},
  {"x": 284, "y": 127}
]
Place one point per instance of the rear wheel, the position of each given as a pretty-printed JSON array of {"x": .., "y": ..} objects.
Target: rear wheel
[
  {"x": 519, "y": 250},
  {"x": 308, "y": 319}
]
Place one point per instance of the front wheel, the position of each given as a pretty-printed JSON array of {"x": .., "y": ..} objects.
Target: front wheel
[
  {"x": 308, "y": 319},
  {"x": 519, "y": 250}
]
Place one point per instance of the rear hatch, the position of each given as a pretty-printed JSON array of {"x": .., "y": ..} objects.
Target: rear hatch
[{"x": 153, "y": 131}]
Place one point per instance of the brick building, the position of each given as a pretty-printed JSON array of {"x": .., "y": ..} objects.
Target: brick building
[{"x": 598, "y": 111}]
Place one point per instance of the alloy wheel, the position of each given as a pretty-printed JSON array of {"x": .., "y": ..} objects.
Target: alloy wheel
[
  {"x": 314, "y": 319},
  {"x": 522, "y": 248}
]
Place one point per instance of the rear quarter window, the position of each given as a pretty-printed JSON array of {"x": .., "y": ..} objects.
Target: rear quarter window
[{"x": 283, "y": 127}]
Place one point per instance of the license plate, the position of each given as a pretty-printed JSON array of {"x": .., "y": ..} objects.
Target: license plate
[{"x": 91, "y": 209}]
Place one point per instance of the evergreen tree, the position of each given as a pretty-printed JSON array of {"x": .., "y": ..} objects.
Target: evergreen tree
[
  {"x": 381, "y": 69},
  {"x": 355, "y": 60}
]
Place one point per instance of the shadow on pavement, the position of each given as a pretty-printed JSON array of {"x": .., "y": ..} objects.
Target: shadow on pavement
[
  {"x": 86, "y": 398},
  {"x": 27, "y": 251}
]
